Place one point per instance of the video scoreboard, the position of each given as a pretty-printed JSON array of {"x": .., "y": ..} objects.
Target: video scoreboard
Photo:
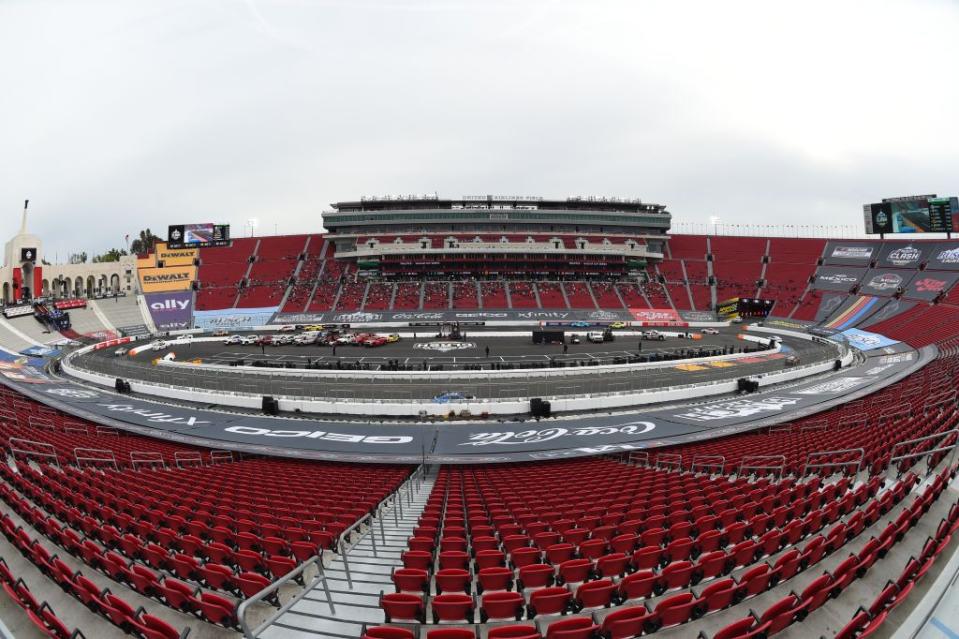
[
  {"x": 198, "y": 235},
  {"x": 912, "y": 214}
]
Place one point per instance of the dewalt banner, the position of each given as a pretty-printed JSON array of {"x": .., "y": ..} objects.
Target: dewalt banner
[
  {"x": 175, "y": 257},
  {"x": 728, "y": 309},
  {"x": 158, "y": 280}
]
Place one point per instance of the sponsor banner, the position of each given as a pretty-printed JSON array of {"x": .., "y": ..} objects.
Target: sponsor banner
[
  {"x": 884, "y": 282},
  {"x": 890, "y": 309},
  {"x": 943, "y": 256},
  {"x": 835, "y": 278},
  {"x": 111, "y": 342},
  {"x": 233, "y": 318},
  {"x": 736, "y": 409},
  {"x": 654, "y": 316},
  {"x": 851, "y": 253},
  {"x": 790, "y": 324},
  {"x": 156, "y": 280},
  {"x": 361, "y": 317},
  {"x": 866, "y": 341},
  {"x": 175, "y": 257},
  {"x": 928, "y": 285},
  {"x": 854, "y": 311},
  {"x": 898, "y": 255},
  {"x": 728, "y": 309},
  {"x": 40, "y": 351},
  {"x": 170, "y": 311},
  {"x": 444, "y": 347},
  {"x": 829, "y": 305},
  {"x": 698, "y": 316},
  {"x": 63, "y": 305},
  {"x": 17, "y": 311}
]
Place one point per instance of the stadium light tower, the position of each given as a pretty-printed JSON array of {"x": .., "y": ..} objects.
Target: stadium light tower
[
  {"x": 714, "y": 220},
  {"x": 251, "y": 223}
]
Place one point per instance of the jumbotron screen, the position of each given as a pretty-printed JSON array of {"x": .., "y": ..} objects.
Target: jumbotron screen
[
  {"x": 198, "y": 235},
  {"x": 914, "y": 214}
]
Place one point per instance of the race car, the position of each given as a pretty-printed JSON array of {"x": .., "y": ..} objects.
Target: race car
[
  {"x": 392, "y": 338},
  {"x": 314, "y": 327},
  {"x": 452, "y": 396},
  {"x": 288, "y": 328},
  {"x": 159, "y": 345},
  {"x": 580, "y": 324},
  {"x": 233, "y": 339},
  {"x": 710, "y": 331},
  {"x": 375, "y": 340},
  {"x": 121, "y": 352},
  {"x": 618, "y": 325}
]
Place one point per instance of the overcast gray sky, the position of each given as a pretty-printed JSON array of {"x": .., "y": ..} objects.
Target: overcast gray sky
[{"x": 116, "y": 115}]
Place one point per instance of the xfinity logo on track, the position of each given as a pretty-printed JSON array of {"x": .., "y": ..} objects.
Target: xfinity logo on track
[
  {"x": 152, "y": 416},
  {"x": 832, "y": 386},
  {"x": 73, "y": 393},
  {"x": 738, "y": 408},
  {"x": 319, "y": 434},
  {"x": 170, "y": 305},
  {"x": 445, "y": 347}
]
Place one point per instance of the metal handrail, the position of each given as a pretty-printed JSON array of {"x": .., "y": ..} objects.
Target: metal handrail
[
  {"x": 26, "y": 451},
  {"x": 109, "y": 456},
  {"x": 638, "y": 457},
  {"x": 746, "y": 463},
  {"x": 893, "y": 458},
  {"x": 316, "y": 560},
  {"x": 705, "y": 462},
  {"x": 397, "y": 497},
  {"x": 671, "y": 461},
  {"x": 858, "y": 462},
  {"x": 187, "y": 456},
  {"x": 146, "y": 457}
]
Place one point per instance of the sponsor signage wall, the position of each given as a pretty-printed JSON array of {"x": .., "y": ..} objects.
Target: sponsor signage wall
[
  {"x": 866, "y": 341},
  {"x": 648, "y": 316},
  {"x": 851, "y": 253},
  {"x": 944, "y": 256},
  {"x": 175, "y": 257},
  {"x": 829, "y": 305},
  {"x": 836, "y": 278},
  {"x": 176, "y": 278},
  {"x": 360, "y": 317},
  {"x": 854, "y": 310},
  {"x": 231, "y": 318},
  {"x": 897, "y": 255},
  {"x": 890, "y": 309},
  {"x": 884, "y": 282},
  {"x": 929, "y": 284},
  {"x": 171, "y": 311}
]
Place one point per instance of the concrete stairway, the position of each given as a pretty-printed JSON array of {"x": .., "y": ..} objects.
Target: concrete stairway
[{"x": 356, "y": 583}]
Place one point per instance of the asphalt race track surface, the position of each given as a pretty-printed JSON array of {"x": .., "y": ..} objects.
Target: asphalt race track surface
[{"x": 506, "y": 352}]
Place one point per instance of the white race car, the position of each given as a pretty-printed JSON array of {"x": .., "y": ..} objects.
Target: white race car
[
  {"x": 159, "y": 345},
  {"x": 289, "y": 328},
  {"x": 710, "y": 331}
]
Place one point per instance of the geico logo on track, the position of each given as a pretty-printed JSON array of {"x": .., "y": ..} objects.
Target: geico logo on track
[{"x": 319, "y": 434}]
